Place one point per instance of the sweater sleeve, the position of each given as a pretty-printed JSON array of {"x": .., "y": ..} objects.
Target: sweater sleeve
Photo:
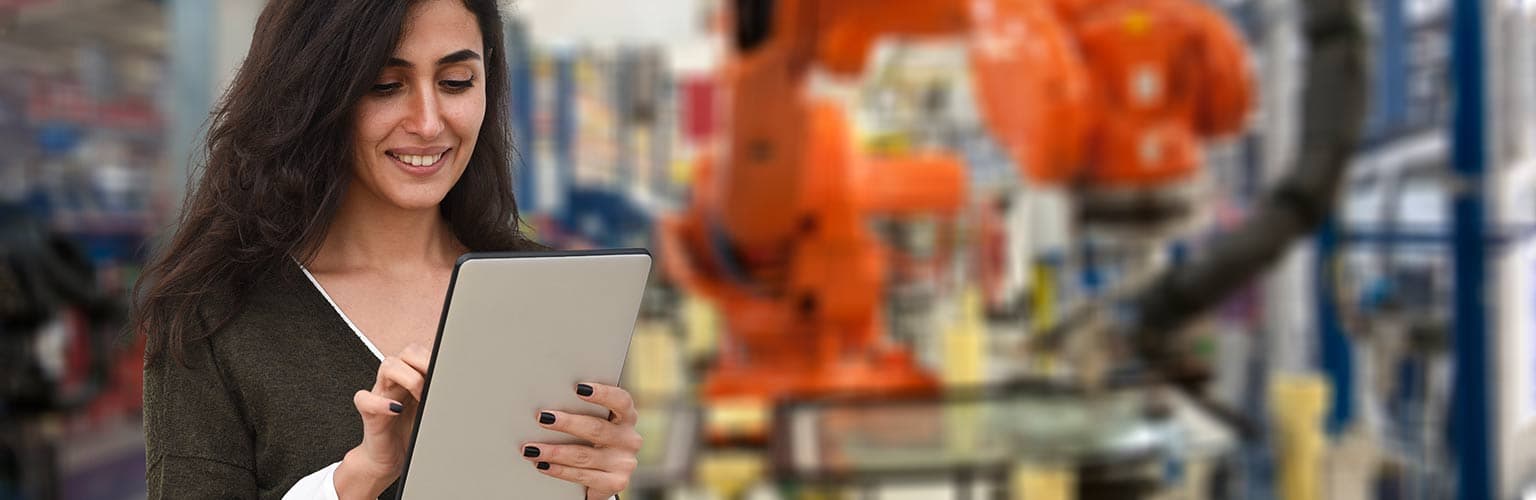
[{"x": 197, "y": 442}]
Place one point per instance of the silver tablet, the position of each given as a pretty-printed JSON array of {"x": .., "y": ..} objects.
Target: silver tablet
[{"x": 519, "y": 331}]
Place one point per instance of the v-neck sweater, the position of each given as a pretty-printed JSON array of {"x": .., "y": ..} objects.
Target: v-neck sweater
[{"x": 261, "y": 403}]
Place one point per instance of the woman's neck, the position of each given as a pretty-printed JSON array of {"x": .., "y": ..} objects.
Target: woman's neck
[{"x": 373, "y": 235}]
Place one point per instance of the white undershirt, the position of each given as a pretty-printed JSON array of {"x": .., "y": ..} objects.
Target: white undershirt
[
  {"x": 350, "y": 324},
  {"x": 321, "y": 485}
]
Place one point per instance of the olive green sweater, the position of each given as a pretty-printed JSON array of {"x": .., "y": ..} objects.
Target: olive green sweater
[{"x": 263, "y": 402}]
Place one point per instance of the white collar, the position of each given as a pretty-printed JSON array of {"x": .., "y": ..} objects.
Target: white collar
[{"x": 343, "y": 315}]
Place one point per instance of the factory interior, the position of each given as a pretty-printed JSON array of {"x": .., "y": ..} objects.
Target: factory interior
[{"x": 904, "y": 249}]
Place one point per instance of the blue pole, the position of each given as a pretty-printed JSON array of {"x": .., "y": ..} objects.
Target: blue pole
[
  {"x": 1390, "y": 98},
  {"x": 565, "y": 129},
  {"x": 520, "y": 62},
  {"x": 1335, "y": 354},
  {"x": 1472, "y": 415}
]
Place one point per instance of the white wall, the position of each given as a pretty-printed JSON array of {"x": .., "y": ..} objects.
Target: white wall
[
  {"x": 236, "y": 25},
  {"x": 608, "y": 22},
  {"x": 208, "y": 41}
]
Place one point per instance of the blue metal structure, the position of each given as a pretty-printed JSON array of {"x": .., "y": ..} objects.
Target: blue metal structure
[
  {"x": 1472, "y": 418},
  {"x": 565, "y": 127},
  {"x": 1335, "y": 354},
  {"x": 520, "y": 64},
  {"x": 1389, "y": 106}
]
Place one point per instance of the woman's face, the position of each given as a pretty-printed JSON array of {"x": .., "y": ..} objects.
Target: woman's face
[{"x": 418, "y": 124}]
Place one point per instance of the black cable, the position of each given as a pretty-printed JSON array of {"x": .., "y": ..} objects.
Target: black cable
[{"x": 1333, "y": 112}]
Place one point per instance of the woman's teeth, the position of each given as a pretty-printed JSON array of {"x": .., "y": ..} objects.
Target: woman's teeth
[{"x": 419, "y": 160}]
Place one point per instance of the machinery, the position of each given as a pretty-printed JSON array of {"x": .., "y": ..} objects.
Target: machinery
[
  {"x": 777, "y": 231},
  {"x": 1166, "y": 75},
  {"x": 1108, "y": 97},
  {"x": 57, "y": 353}
]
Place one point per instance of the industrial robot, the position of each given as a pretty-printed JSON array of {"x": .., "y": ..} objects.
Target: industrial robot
[{"x": 1108, "y": 97}]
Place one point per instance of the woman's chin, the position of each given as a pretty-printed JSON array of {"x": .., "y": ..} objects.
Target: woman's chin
[{"x": 415, "y": 201}]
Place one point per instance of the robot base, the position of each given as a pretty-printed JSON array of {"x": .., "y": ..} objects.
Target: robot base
[{"x": 741, "y": 397}]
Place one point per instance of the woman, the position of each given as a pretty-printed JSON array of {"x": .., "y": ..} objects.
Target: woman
[{"x": 361, "y": 149}]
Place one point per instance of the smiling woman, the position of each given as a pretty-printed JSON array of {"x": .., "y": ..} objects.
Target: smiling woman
[{"x": 361, "y": 149}]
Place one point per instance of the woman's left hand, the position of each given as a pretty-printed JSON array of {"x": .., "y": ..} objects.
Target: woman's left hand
[{"x": 603, "y": 467}]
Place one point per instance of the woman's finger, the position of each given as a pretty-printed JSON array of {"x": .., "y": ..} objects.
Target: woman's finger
[
  {"x": 373, "y": 406},
  {"x": 608, "y": 482},
  {"x": 418, "y": 356},
  {"x": 582, "y": 457},
  {"x": 615, "y": 399},
  {"x": 593, "y": 430},
  {"x": 397, "y": 373}
]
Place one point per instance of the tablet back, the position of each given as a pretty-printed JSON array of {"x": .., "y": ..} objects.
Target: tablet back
[{"x": 519, "y": 331}]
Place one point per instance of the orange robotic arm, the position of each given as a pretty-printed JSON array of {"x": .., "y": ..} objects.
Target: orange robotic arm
[
  {"x": 1228, "y": 87},
  {"x": 1167, "y": 74},
  {"x": 777, "y": 234},
  {"x": 1032, "y": 88}
]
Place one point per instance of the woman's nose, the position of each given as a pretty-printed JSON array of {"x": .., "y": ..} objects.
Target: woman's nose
[{"x": 426, "y": 118}]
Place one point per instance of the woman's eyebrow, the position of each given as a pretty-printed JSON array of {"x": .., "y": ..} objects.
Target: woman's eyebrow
[
  {"x": 460, "y": 56},
  {"x": 456, "y": 57}
]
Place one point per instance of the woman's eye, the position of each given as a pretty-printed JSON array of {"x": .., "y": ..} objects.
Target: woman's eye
[
  {"x": 458, "y": 85},
  {"x": 386, "y": 88}
]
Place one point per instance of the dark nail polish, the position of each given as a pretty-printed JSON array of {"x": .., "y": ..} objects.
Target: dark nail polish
[
  {"x": 530, "y": 452},
  {"x": 543, "y": 465},
  {"x": 584, "y": 390},
  {"x": 396, "y": 407},
  {"x": 547, "y": 418}
]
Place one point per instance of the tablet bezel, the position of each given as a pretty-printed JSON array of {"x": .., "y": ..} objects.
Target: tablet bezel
[{"x": 443, "y": 321}]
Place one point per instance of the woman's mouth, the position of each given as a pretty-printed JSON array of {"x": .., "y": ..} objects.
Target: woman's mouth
[{"x": 419, "y": 164}]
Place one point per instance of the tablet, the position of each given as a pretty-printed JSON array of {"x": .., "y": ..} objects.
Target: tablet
[{"x": 519, "y": 331}]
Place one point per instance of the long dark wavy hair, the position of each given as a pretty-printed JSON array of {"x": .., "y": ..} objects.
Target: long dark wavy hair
[{"x": 279, "y": 159}]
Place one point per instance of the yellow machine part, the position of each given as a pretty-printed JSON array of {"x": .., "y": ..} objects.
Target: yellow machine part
[
  {"x": 1043, "y": 482},
  {"x": 1299, "y": 402},
  {"x": 729, "y": 474}
]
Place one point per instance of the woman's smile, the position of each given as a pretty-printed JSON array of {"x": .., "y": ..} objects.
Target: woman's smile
[{"x": 421, "y": 162}]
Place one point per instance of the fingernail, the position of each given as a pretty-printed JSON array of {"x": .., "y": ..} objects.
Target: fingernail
[
  {"x": 530, "y": 452},
  {"x": 543, "y": 465},
  {"x": 547, "y": 418},
  {"x": 584, "y": 390},
  {"x": 396, "y": 407}
]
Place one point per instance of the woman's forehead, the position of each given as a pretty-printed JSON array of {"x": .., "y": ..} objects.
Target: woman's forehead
[{"x": 436, "y": 28}]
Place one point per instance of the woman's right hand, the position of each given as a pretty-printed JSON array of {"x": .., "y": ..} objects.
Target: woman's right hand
[{"x": 388, "y": 412}]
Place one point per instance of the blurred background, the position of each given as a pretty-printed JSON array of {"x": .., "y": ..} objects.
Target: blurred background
[{"x": 906, "y": 249}]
